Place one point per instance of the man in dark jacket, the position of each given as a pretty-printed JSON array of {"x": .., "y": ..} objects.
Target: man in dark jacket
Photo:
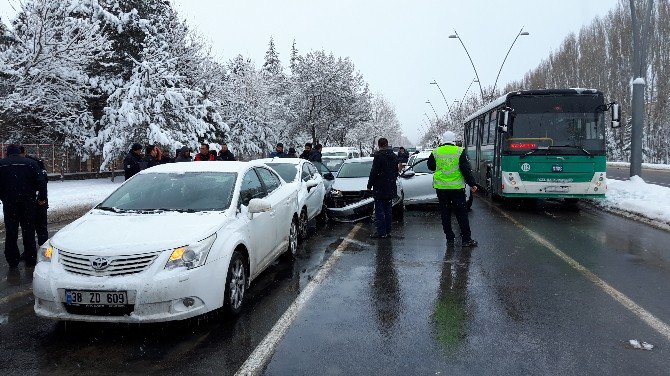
[
  {"x": 132, "y": 161},
  {"x": 403, "y": 155},
  {"x": 382, "y": 181},
  {"x": 225, "y": 154},
  {"x": 308, "y": 150},
  {"x": 452, "y": 172},
  {"x": 20, "y": 179},
  {"x": 315, "y": 155},
  {"x": 279, "y": 151},
  {"x": 40, "y": 209},
  {"x": 150, "y": 158},
  {"x": 184, "y": 155}
]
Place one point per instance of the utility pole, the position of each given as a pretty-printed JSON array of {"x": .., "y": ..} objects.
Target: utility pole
[{"x": 640, "y": 48}]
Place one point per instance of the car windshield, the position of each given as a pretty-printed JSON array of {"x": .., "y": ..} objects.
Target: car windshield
[
  {"x": 287, "y": 171},
  {"x": 189, "y": 192},
  {"x": 333, "y": 164},
  {"x": 355, "y": 170}
]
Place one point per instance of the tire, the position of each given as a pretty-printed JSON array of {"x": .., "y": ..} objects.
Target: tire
[
  {"x": 292, "y": 249},
  {"x": 302, "y": 225},
  {"x": 236, "y": 284},
  {"x": 399, "y": 210}
]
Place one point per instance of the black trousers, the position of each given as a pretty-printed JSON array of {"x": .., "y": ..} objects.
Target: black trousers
[
  {"x": 453, "y": 200},
  {"x": 41, "y": 224},
  {"x": 21, "y": 213}
]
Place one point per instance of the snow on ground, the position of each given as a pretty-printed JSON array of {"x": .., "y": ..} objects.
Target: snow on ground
[
  {"x": 65, "y": 195},
  {"x": 650, "y": 166},
  {"x": 639, "y": 198}
]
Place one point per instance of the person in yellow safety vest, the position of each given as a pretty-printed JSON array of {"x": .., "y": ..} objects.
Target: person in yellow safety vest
[{"x": 452, "y": 172}]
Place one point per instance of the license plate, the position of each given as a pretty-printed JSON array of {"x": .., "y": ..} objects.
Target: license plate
[
  {"x": 96, "y": 298},
  {"x": 557, "y": 168},
  {"x": 557, "y": 189}
]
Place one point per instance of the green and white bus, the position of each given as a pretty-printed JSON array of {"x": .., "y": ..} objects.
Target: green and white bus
[{"x": 541, "y": 144}]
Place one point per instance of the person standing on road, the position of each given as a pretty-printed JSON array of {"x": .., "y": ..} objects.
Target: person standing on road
[
  {"x": 403, "y": 155},
  {"x": 382, "y": 182},
  {"x": 40, "y": 209},
  {"x": 225, "y": 154},
  {"x": 291, "y": 153},
  {"x": 279, "y": 151},
  {"x": 315, "y": 155},
  {"x": 150, "y": 157},
  {"x": 452, "y": 171},
  {"x": 20, "y": 179},
  {"x": 132, "y": 162},
  {"x": 306, "y": 152}
]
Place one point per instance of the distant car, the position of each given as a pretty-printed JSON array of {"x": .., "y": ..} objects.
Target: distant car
[
  {"x": 349, "y": 200},
  {"x": 418, "y": 182},
  {"x": 173, "y": 242},
  {"x": 309, "y": 184},
  {"x": 333, "y": 157}
]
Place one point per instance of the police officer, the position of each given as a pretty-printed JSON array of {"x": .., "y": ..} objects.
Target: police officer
[
  {"x": 40, "y": 209},
  {"x": 132, "y": 163},
  {"x": 452, "y": 171},
  {"x": 20, "y": 178}
]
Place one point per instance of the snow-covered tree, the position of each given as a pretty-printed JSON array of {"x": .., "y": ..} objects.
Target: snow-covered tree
[{"x": 43, "y": 68}]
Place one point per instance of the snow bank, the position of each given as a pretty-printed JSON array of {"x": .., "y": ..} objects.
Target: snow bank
[
  {"x": 650, "y": 166},
  {"x": 70, "y": 199},
  {"x": 638, "y": 198}
]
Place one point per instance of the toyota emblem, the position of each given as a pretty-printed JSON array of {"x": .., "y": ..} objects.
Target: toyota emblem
[{"x": 99, "y": 263}]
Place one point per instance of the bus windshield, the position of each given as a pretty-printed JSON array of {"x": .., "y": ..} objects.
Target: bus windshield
[{"x": 559, "y": 123}]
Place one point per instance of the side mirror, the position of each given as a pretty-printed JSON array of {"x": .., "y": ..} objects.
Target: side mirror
[
  {"x": 311, "y": 184},
  {"x": 258, "y": 205},
  {"x": 504, "y": 120},
  {"x": 329, "y": 176},
  {"x": 408, "y": 174},
  {"x": 616, "y": 115}
]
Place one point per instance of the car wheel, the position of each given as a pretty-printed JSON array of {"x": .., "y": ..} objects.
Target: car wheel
[
  {"x": 302, "y": 229},
  {"x": 399, "y": 210},
  {"x": 292, "y": 240},
  {"x": 236, "y": 284}
]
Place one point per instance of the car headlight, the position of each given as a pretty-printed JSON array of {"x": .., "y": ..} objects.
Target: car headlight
[
  {"x": 191, "y": 256},
  {"x": 335, "y": 193},
  {"x": 45, "y": 253}
]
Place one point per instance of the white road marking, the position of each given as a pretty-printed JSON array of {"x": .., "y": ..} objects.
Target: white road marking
[
  {"x": 263, "y": 353},
  {"x": 651, "y": 320}
]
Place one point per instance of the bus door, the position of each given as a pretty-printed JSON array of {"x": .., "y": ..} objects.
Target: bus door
[{"x": 478, "y": 155}]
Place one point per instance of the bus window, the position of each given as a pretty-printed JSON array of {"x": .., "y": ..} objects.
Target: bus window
[
  {"x": 492, "y": 127},
  {"x": 485, "y": 130}
]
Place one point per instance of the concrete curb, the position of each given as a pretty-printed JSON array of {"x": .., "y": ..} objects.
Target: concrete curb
[{"x": 653, "y": 222}]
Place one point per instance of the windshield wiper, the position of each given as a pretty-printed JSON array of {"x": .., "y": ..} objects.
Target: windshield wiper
[
  {"x": 575, "y": 147},
  {"x": 176, "y": 210},
  {"x": 111, "y": 209}
]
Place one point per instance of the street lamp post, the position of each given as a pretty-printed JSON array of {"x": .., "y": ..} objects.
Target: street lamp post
[
  {"x": 521, "y": 32},
  {"x": 431, "y": 106},
  {"x": 456, "y": 36}
]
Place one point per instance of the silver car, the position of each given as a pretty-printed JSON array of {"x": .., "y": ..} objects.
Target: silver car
[
  {"x": 349, "y": 200},
  {"x": 417, "y": 181}
]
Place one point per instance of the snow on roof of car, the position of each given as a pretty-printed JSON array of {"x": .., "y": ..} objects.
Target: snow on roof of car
[
  {"x": 295, "y": 161},
  {"x": 208, "y": 166},
  {"x": 359, "y": 160}
]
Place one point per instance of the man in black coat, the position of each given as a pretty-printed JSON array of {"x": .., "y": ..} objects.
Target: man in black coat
[
  {"x": 225, "y": 154},
  {"x": 150, "y": 157},
  {"x": 132, "y": 161},
  {"x": 306, "y": 152},
  {"x": 403, "y": 155},
  {"x": 382, "y": 181},
  {"x": 40, "y": 209},
  {"x": 20, "y": 178},
  {"x": 315, "y": 155}
]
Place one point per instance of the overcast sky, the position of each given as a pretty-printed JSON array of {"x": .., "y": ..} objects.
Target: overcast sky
[{"x": 399, "y": 46}]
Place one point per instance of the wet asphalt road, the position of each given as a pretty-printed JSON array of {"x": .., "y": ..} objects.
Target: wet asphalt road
[
  {"x": 402, "y": 306},
  {"x": 658, "y": 177}
]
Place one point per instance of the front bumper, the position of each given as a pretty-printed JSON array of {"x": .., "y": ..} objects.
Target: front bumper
[
  {"x": 352, "y": 212},
  {"x": 154, "y": 295}
]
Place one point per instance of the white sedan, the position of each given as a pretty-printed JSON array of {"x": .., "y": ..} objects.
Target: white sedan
[
  {"x": 307, "y": 181},
  {"x": 173, "y": 242}
]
